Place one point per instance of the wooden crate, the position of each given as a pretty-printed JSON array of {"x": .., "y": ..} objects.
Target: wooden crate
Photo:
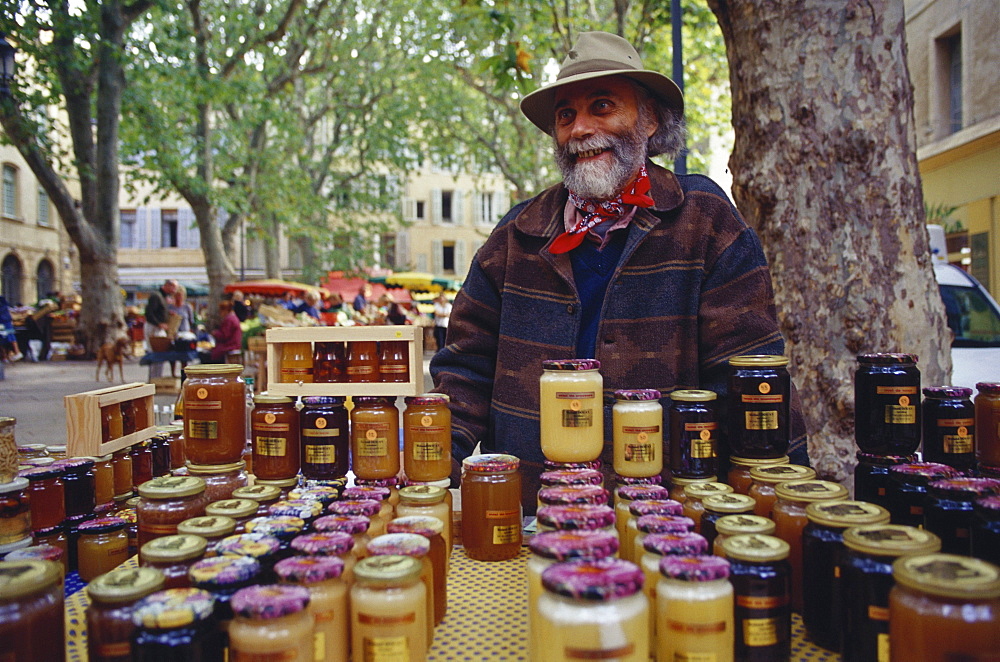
[
  {"x": 412, "y": 335},
  {"x": 83, "y": 419}
]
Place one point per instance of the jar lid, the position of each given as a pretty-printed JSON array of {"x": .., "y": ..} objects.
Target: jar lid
[
  {"x": 353, "y": 524},
  {"x": 387, "y": 569},
  {"x": 490, "y": 463},
  {"x": 314, "y": 400},
  {"x": 406, "y": 544},
  {"x": 309, "y": 569},
  {"x": 676, "y": 481},
  {"x": 844, "y": 514},
  {"x": 637, "y": 394},
  {"x": 58, "y": 529},
  {"x": 963, "y": 488},
  {"x": 597, "y": 580},
  {"x": 23, "y": 543},
  {"x": 171, "y": 487},
  {"x": 643, "y": 492},
  {"x": 884, "y": 460},
  {"x": 949, "y": 576},
  {"x": 208, "y": 369},
  {"x": 946, "y": 392},
  {"x": 208, "y": 526},
  {"x": 693, "y": 395},
  {"x": 884, "y": 358},
  {"x": 702, "y": 490},
  {"x": 891, "y": 540},
  {"x": 583, "y": 517},
  {"x": 993, "y": 388},
  {"x": 269, "y": 601},
  {"x": 422, "y": 494},
  {"x": 656, "y": 507},
  {"x": 423, "y": 525},
  {"x": 259, "y": 493},
  {"x": 75, "y": 464},
  {"x": 224, "y": 571},
  {"x": 664, "y": 524},
  {"x": 571, "y": 364},
  {"x": 390, "y": 483},
  {"x": 330, "y": 543},
  {"x": 623, "y": 481},
  {"x": 374, "y": 400},
  {"x": 757, "y": 462},
  {"x": 922, "y": 473},
  {"x": 129, "y": 515},
  {"x": 296, "y": 508},
  {"x": 573, "y": 494},
  {"x": 666, "y": 544},
  {"x": 571, "y": 477},
  {"x": 173, "y": 607},
  {"x": 102, "y": 525},
  {"x": 810, "y": 490},
  {"x": 19, "y": 579},
  {"x": 694, "y": 568},
  {"x": 365, "y": 507},
  {"x": 367, "y": 492},
  {"x": 280, "y": 483},
  {"x": 44, "y": 461},
  {"x": 267, "y": 399},
  {"x": 216, "y": 469},
  {"x": 178, "y": 547},
  {"x": 565, "y": 545},
  {"x": 15, "y": 485},
  {"x": 734, "y": 525},
  {"x": 758, "y": 361},
  {"x": 322, "y": 493},
  {"x": 729, "y": 503},
  {"x": 256, "y": 545},
  {"x": 549, "y": 465},
  {"x": 124, "y": 585},
  {"x": 779, "y": 473},
  {"x": 235, "y": 508},
  {"x": 755, "y": 547},
  {"x": 30, "y": 449},
  {"x": 37, "y": 553},
  {"x": 427, "y": 399},
  {"x": 988, "y": 504},
  {"x": 41, "y": 472},
  {"x": 283, "y": 527}
]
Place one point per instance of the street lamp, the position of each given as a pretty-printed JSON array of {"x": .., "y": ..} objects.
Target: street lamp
[{"x": 6, "y": 64}]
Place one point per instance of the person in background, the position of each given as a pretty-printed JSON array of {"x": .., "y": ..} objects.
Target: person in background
[
  {"x": 157, "y": 316},
  {"x": 360, "y": 303},
  {"x": 228, "y": 336},
  {"x": 240, "y": 307},
  {"x": 9, "y": 350},
  {"x": 442, "y": 313},
  {"x": 309, "y": 305},
  {"x": 180, "y": 307}
]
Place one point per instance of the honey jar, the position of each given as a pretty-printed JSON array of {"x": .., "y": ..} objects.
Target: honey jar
[
  {"x": 736, "y": 525},
  {"x": 491, "y": 507},
  {"x": 215, "y": 417},
  {"x": 427, "y": 437},
  {"x": 759, "y": 390},
  {"x": 32, "y": 603},
  {"x": 417, "y": 547},
  {"x": 323, "y": 577},
  {"x": 576, "y": 518},
  {"x": 375, "y": 437},
  {"x": 329, "y": 362},
  {"x": 102, "y": 546},
  {"x": 167, "y": 501},
  {"x": 210, "y": 527},
  {"x": 765, "y": 478},
  {"x": 272, "y": 621},
  {"x": 571, "y": 411},
  {"x": 296, "y": 363},
  {"x": 274, "y": 437},
  {"x": 356, "y": 525},
  {"x": 47, "y": 500},
  {"x": 949, "y": 426},
  {"x": 637, "y": 426},
  {"x": 427, "y": 500},
  {"x": 173, "y": 556},
  {"x": 430, "y": 528},
  {"x": 393, "y": 361},
  {"x": 388, "y": 606},
  {"x": 221, "y": 480},
  {"x": 738, "y": 476},
  {"x": 694, "y": 608},
  {"x": 694, "y": 434},
  {"x": 113, "y": 596},
  {"x": 695, "y": 492},
  {"x": 362, "y": 361},
  {"x": 717, "y": 506}
]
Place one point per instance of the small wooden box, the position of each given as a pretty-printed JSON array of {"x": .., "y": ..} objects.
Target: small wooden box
[
  {"x": 412, "y": 335},
  {"x": 83, "y": 419}
]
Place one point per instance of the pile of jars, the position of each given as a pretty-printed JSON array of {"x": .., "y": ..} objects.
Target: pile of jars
[
  {"x": 357, "y": 361},
  {"x": 121, "y": 419}
]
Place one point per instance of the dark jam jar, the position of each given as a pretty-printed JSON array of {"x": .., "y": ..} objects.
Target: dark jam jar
[
  {"x": 985, "y": 536},
  {"x": 325, "y": 438},
  {"x": 871, "y": 476},
  {"x": 887, "y": 404},
  {"x": 949, "y": 419},
  {"x": 78, "y": 486},
  {"x": 159, "y": 448},
  {"x": 822, "y": 555},
  {"x": 761, "y": 579},
  {"x": 329, "y": 362},
  {"x": 949, "y": 510},
  {"x": 908, "y": 489},
  {"x": 759, "y": 388},
  {"x": 694, "y": 434},
  {"x": 177, "y": 624}
]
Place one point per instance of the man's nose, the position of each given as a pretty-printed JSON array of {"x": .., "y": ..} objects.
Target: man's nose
[{"x": 583, "y": 126}]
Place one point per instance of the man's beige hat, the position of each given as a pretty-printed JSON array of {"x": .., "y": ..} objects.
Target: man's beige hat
[{"x": 595, "y": 55}]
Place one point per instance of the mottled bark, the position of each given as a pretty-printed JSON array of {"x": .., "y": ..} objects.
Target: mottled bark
[{"x": 825, "y": 169}]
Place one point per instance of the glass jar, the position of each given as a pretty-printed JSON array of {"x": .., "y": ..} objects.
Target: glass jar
[
  {"x": 323, "y": 577},
  {"x": 142, "y": 462},
  {"x": 210, "y": 527},
  {"x": 822, "y": 556},
  {"x": 949, "y": 427},
  {"x": 176, "y": 624},
  {"x": 10, "y": 458},
  {"x": 865, "y": 582},
  {"x": 427, "y": 437},
  {"x": 737, "y": 525},
  {"x": 78, "y": 486},
  {"x": 627, "y": 495},
  {"x": 121, "y": 464},
  {"x": 648, "y": 524},
  {"x": 221, "y": 480},
  {"x": 759, "y": 390},
  {"x": 694, "y": 434},
  {"x": 362, "y": 361},
  {"x": 391, "y": 484},
  {"x": 104, "y": 484},
  {"x": 167, "y": 501},
  {"x": 102, "y": 546},
  {"x": 356, "y": 525},
  {"x": 55, "y": 537},
  {"x": 491, "y": 507},
  {"x": 215, "y": 417},
  {"x": 329, "y": 362},
  {"x": 987, "y": 404},
  {"x": 571, "y": 410},
  {"x": 325, "y": 437},
  {"x": 128, "y": 417},
  {"x": 325, "y": 494},
  {"x": 738, "y": 476},
  {"x": 283, "y": 527},
  {"x": 430, "y": 528},
  {"x": 374, "y": 437},
  {"x": 328, "y": 543},
  {"x": 427, "y": 500},
  {"x": 264, "y": 495},
  {"x": 32, "y": 616},
  {"x": 302, "y": 508},
  {"x": 296, "y": 363},
  {"x": 764, "y": 479},
  {"x": 272, "y": 622},
  {"x": 45, "y": 496},
  {"x": 887, "y": 404},
  {"x": 789, "y": 515},
  {"x": 593, "y": 609},
  {"x": 141, "y": 410},
  {"x": 908, "y": 489},
  {"x": 394, "y": 361},
  {"x": 159, "y": 448},
  {"x": 576, "y": 518},
  {"x": 637, "y": 427},
  {"x": 239, "y": 510},
  {"x": 263, "y": 548},
  {"x": 694, "y": 609},
  {"x": 678, "y": 485},
  {"x": 175, "y": 437},
  {"x": 871, "y": 476},
  {"x": 173, "y": 556},
  {"x": 718, "y": 505},
  {"x": 15, "y": 511},
  {"x": 274, "y": 437},
  {"x": 571, "y": 477},
  {"x": 112, "y": 425},
  {"x": 388, "y": 607},
  {"x": 693, "y": 495},
  {"x": 109, "y": 616},
  {"x": 417, "y": 547},
  {"x": 949, "y": 510},
  {"x": 285, "y": 486},
  {"x": 761, "y": 579},
  {"x": 657, "y": 546},
  {"x": 38, "y": 552},
  {"x": 985, "y": 535},
  {"x": 637, "y": 509},
  {"x": 944, "y": 607}
]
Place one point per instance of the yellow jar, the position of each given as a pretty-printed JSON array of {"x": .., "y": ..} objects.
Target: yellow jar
[
  {"x": 296, "y": 363},
  {"x": 739, "y": 471},
  {"x": 694, "y": 609},
  {"x": 426, "y": 500},
  {"x": 389, "y": 608},
  {"x": 323, "y": 576},
  {"x": 419, "y": 548},
  {"x": 101, "y": 547},
  {"x": 374, "y": 437},
  {"x": 427, "y": 437},
  {"x": 638, "y": 433},
  {"x": 271, "y": 622},
  {"x": 571, "y": 410}
]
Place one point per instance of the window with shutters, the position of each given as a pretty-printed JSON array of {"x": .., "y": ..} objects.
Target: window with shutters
[
  {"x": 44, "y": 211},
  {"x": 448, "y": 257},
  {"x": 127, "y": 238},
  {"x": 946, "y": 81},
  {"x": 420, "y": 213},
  {"x": 388, "y": 250},
  {"x": 447, "y": 210},
  {"x": 168, "y": 228},
  {"x": 10, "y": 201}
]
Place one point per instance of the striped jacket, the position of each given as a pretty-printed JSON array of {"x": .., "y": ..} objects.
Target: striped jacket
[{"x": 692, "y": 290}]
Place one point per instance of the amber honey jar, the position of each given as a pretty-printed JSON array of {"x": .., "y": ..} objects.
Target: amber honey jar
[
  {"x": 33, "y": 626},
  {"x": 362, "y": 361},
  {"x": 15, "y": 512},
  {"x": 142, "y": 462},
  {"x": 427, "y": 437},
  {"x": 761, "y": 579},
  {"x": 167, "y": 501},
  {"x": 215, "y": 417},
  {"x": 121, "y": 465},
  {"x": 104, "y": 484},
  {"x": 738, "y": 476},
  {"x": 759, "y": 390},
  {"x": 949, "y": 427},
  {"x": 112, "y": 426},
  {"x": 394, "y": 361},
  {"x": 109, "y": 616},
  {"x": 887, "y": 404},
  {"x": 173, "y": 556},
  {"x": 47, "y": 499},
  {"x": 694, "y": 492},
  {"x": 329, "y": 362},
  {"x": 102, "y": 545},
  {"x": 694, "y": 434},
  {"x": 274, "y": 430},
  {"x": 427, "y": 500},
  {"x": 221, "y": 480},
  {"x": 736, "y": 525},
  {"x": 240, "y": 510},
  {"x": 375, "y": 437},
  {"x": 296, "y": 363},
  {"x": 491, "y": 507},
  {"x": 987, "y": 404},
  {"x": 764, "y": 479},
  {"x": 325, "y": 437}
]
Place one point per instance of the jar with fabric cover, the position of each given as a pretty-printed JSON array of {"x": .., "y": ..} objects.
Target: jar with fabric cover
[
  {"x": 113, "y": 596},
  {"x": 323, "y": 577},
  {"x": 176, "y": 624},
  {"x": 273, "y": 621}
]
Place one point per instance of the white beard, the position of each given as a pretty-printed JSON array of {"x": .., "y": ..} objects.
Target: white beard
[{"x": 603, "y": 179}]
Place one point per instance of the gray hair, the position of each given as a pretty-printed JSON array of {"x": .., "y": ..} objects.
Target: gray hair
[{"x": 670, "y": 131}]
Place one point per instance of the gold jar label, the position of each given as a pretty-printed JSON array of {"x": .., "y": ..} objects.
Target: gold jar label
[
  {"x": 320, "y": 454},
  {"x": 427, "y": 451},
  {"x": 583, "y": 418},
  {"x": 505, "y": 535},
  {"x": 271, "y": 446},
  {"x": 640, "y": 453},
  {"x": 202, "y": 429},
  {"x": 760, "y": 631},
  {"x": 331, "y": 432},
  {"x": 761, "y": 420},
  {"x": 900, "y": 414}
]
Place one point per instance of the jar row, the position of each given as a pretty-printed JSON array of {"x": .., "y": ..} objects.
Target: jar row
[
  {"x": 360, "y": 361},
  {"x": 124, "y": 418}
]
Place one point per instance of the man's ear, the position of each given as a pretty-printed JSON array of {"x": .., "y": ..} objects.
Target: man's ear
[{"x": 653, "y": 119}]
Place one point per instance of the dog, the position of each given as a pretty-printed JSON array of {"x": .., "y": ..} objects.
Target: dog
[{"x": 112, "y": 354}]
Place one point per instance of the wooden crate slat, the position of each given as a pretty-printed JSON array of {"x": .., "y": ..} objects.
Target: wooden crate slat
[{"x": 83, "y": 419}]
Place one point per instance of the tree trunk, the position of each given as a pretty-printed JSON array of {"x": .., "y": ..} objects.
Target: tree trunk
[
  {"x": 217, "y": 263},
  {"x": 272, "y": 248},
  {"x": 825, "y": 170}
]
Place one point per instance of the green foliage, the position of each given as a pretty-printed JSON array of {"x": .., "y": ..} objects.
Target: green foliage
[{"x": 940, "y": 214}]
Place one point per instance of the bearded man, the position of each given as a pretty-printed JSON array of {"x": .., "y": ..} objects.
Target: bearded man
[{"x": 654, "y": 274}]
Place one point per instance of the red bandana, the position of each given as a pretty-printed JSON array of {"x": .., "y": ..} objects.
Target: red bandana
[{"x": 595, "y": 212}]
